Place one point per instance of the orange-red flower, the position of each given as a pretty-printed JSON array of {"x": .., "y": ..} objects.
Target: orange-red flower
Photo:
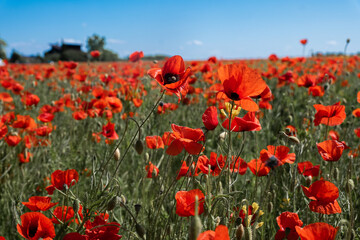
[
  {"x": 330, "y": 150},
  {"x": 95, "y": 54},
  {"x": 136, "y": 56},
  {"x": 303, "y": 41},
  {"x": 307, "y": 169},
  {"x": 287, "y": 222},
  {"x": 240, "y": 83},
  {"x": 276, "y": 156},
  {"x": 35, "y": 225},
  {"x": 151, "y": 170},
  {"x": 61, "y": 178},
  {"x": 37, "y": 203},
  {"x": 173, "y": 76},
  {"x": 238, "y": 165},
  {"x": 317, "y": 231},
  {"x": 108, "y": 131},
  {"x": 258, "y": 168},
  {"x": 324, "y": 194},
  {"x": 209, "y": 118},
  {"x": 329, "y": 115},
  {"x": 214, "y": 165},
  {"x": 247, "y": 123},
  {"x": 221, "y": 233},
  {"x": 185, "y": 202},
  {"x": 184, "y": 137},
  {"x": 154, "y": 142}
]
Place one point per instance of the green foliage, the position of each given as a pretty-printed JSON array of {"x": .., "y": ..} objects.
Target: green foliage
[
  {"x": 108, "y": 56},
  {"x": 2, "y": 49},
  {"x": 16, "y": 57},
  {"x": 95, "y": 42},
  {"x": 73, "y": 55}
]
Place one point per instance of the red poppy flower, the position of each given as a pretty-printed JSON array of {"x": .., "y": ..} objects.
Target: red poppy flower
[
  {"x": 6, "y": 97},
  {"x": 329, "y": 115},
  {"x": 12, "y": 140},
  {"x": 303, "y": 41},
  {"x": 79, "y": 115},
  {"x": 186, "y": 172},
  {"x": 333, "y": 135},
  {"x": 221, "y": 233},
  {"x": 276, "y": 156},
  {"x": 307, "y": 81},
  {"x": 258, "y": 168},
  {"x": 287, "y": 222},
  {"x": 60, "y": 178},
  {"x": 247, "y": 123},
  {"x": 316, "y": 91},
  {"x": 317, "y": 231},
  {"x": 24, "y": 157},
  {"x": 357, "y": 132},
  {"x": 63, "y": 213},
  {"x": 214, "y": 165},
  {"x": 100, "y": 229},
  {"x": 95, "y": 54},
  {"x": 307, "y": 169},
  {"x": 324, "y": 194},
  {"x": 108, "y": 131},
  {"x": 30, "y": 99},
  {"x": 210, "y": 119},
  {"x": 238, "y": 165},
  {"x": 24, "y": 122},
  {"x": 173, "y": 76},
  {"x": 240, "y": 83},
  {"x": 37, "y": 203},
  {"x": 43, "y": 131},
  {"x": 46, "y": 117},
  {"x": 3, "y": 130},
  {"x": 356, "y": 112},
  {"x": 75, "y": 236},
  {"x": 35, "y": 225},
  {"x": 330, "y": 150},
  {"x": 152, "y": 170},
  {"x": 185, "y": 202},
  {"x": 184, "y": 137},
  {"x": 136, "y": 56},
  {"x": 154, "y": 142}
]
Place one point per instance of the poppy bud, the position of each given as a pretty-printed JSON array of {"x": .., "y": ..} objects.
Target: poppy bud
[
  {"x": 117, "y": 154},
  {"x": 217, "y": 221},
  {"x": 139, "y": 147},
  {"x": 308, "y": 180},
  {"x": 161, "y": 103},
  {"x": 112, "y": 203},
  {"x": 137, "y": 208},
  {"x": 140, "y": 230},
  {"x": 336, "y": 174},
  {"x": 270, "y": 207},
  {"x": 240, "y": 232},
  {"x": 122, "y": 200},
  {"x": 294, "y": 139},
  {"x": 195, "y": 228},
  {"x": 326, "y": 86},
  {"x": 223, "y": 136},
  {"x": 350, "y": 186}
]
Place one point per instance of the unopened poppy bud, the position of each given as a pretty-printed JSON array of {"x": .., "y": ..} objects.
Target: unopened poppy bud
[
  {"x": 76, "y": 205},
  {"x": 122, "y": 200},
  {"x": 161, "y": 103},
  {"x": 240, "y": 232},
  {"x": 294, "y": 139},
  {"x": 139, "y": 147},
  {"x": 308, "y": 180},
  {"x": 348, "y": 40},
  {"x": 140, "y": 230},
  {"x": 326, "y": 86},
  {"x": 336, "y": 174},
  {"x": 217, "y": 221},
  {"x": 155, "y": 61},
  {"x": 195, "y": 228},
  {"x": 112, "y": 203},
  {"x": 350, "y": 186},
  {"x": 117, "y": 154},
  {"x": 223, "y": 136}
]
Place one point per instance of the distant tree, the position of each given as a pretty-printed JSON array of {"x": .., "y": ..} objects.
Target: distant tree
[
  {"x": 52, "y": 57},
  {"x": 2, "y": 49},
  {"x": 95, "y": 42},
  {"x": 16, "y": 57},
  {"x": 108, "y": 56}
]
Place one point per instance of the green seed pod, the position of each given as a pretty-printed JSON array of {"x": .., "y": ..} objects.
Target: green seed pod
[{"x": 76, "y": 205}]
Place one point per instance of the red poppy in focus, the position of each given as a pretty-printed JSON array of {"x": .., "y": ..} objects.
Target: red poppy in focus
[
  {"x": 95, "y": 54},
  {"x": 209, "y": 118},
  {"x": 307, "y": 169},
  {"x": 330, "y": 150},
  {"x": 35, "y": 225},
  {"x": 64, "y": 214},
  {"x": 184, "y": 137},
  {"x": 329, "y": 115},
  {"x": 221, "y": 233},
  {"x": 100, "y": 229},
  {"x": 61, "y": 178},
  {"x": 185, "y": 202},
  {"x": 240, "y": 83},
  {"x": 276, "y": 156},
  {"x": 214, "y": 165},
  {"x": 247, "y": 123},
  {"x": 136, "y": 56},
  {"x": 303, "y": 41},
  {"x": 317, "y": 231},
  {"x": 154, "y": 142},
  {"x": 152, "y": 170},
  {"x": 287, "y": 222},
  {"x": 324, "y": 194},
  {"x": 37, "y": 203},
  {"x": 258, "y": 168},
  {"x": 173, "y": 76},
  {"x": 238, "y": 165},
  {"x": 75, "y": 236}
]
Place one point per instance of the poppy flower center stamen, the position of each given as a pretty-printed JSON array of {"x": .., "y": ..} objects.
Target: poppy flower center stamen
[
  {"x": 272, "y": 162},
  {"x": 32, "y": 231},
  {"x": 234, "y": 96},
  {"x": 171, "y": 78}
]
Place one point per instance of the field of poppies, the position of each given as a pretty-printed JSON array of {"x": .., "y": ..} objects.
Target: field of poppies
[{"x": 215, "y": 149}]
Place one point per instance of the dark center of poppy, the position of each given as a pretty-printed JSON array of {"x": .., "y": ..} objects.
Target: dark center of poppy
[
  {"x": 171, "y": 78},
  {"x": 32, "y": 231},
  {"x": 272, "y": 162},
  {"x": 234, "y": 96}
]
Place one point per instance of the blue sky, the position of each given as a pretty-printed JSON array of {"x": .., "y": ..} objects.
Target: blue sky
[{"x": 193, "y": 29}]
